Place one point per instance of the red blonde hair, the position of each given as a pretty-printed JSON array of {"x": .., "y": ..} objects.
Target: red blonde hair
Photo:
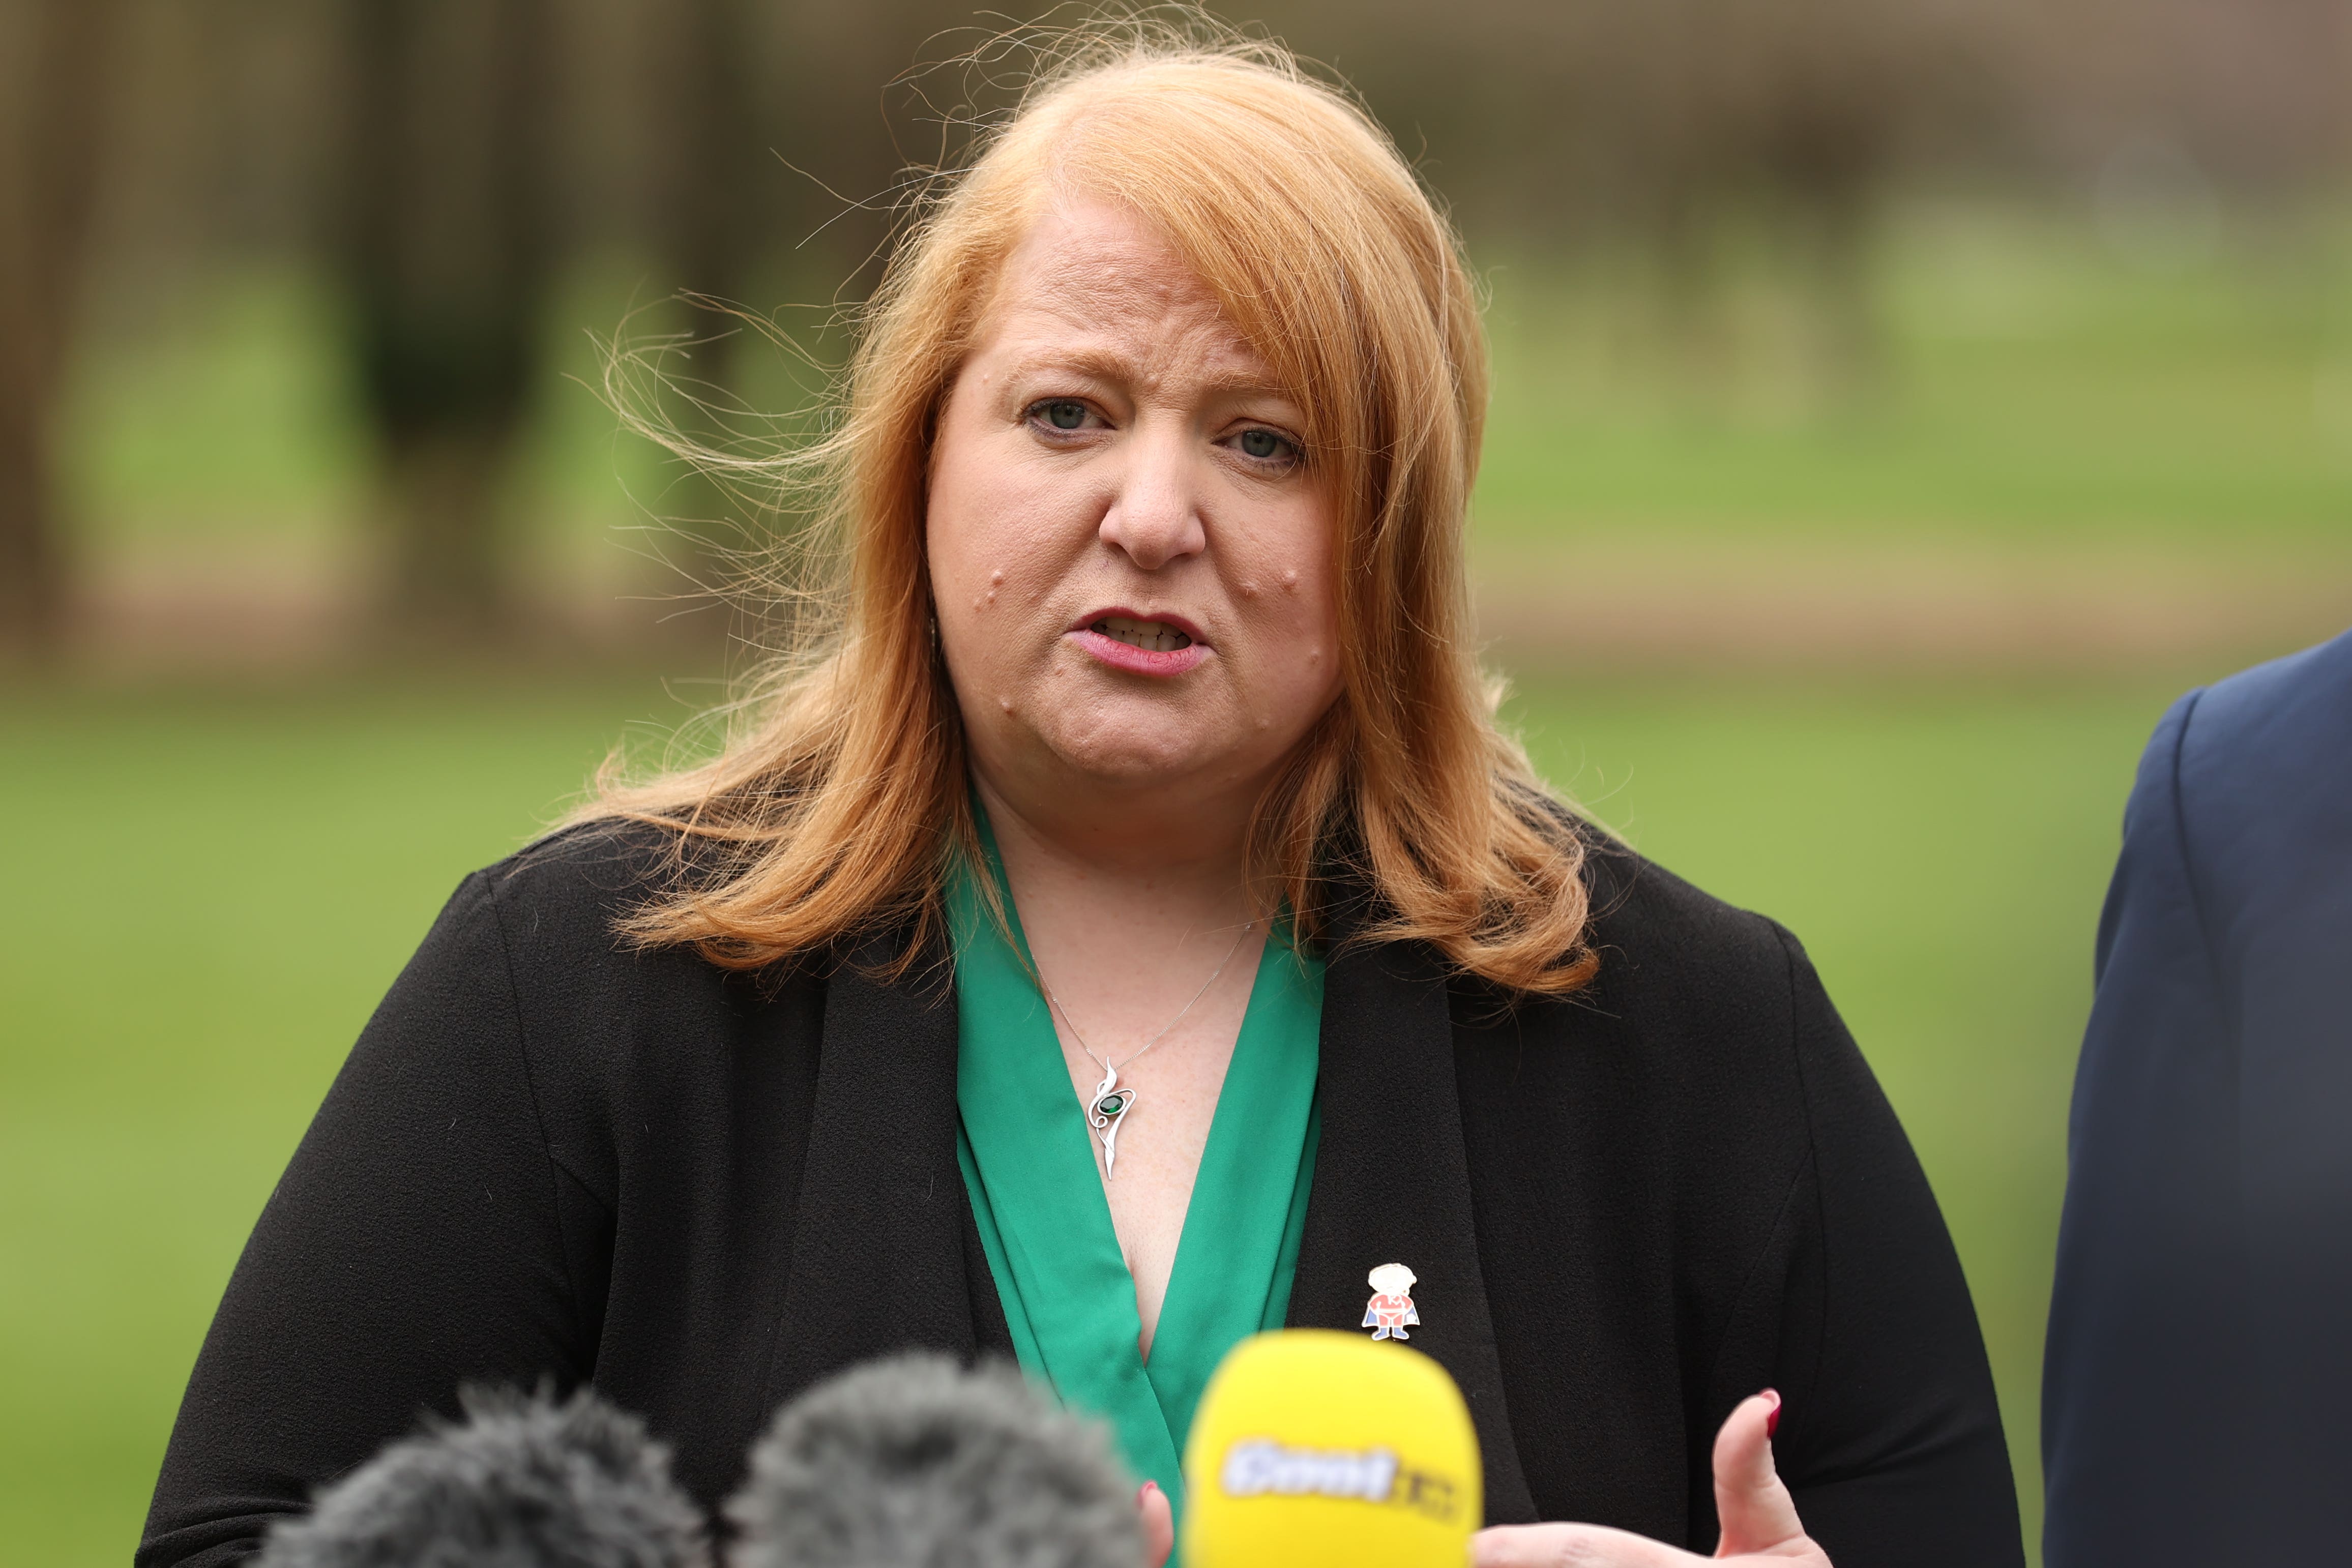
[{"x": 832, "y": 813}]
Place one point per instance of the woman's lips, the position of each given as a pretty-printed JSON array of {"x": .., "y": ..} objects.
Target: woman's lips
[{"x": 1147, "y": 645}]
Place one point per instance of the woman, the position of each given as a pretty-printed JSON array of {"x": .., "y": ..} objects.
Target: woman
[{"x": 1126, "y": 929}]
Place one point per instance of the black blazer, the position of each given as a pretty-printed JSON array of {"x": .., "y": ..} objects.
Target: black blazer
[{"x": 549, "y": 1157}]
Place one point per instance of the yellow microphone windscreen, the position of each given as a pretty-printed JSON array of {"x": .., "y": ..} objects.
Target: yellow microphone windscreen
[{"x": 1312, "y": 1448}]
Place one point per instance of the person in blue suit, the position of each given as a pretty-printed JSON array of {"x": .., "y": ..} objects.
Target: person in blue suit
[{"x": 2197, "y": 1389}]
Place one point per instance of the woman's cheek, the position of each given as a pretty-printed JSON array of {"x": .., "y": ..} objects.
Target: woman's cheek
[
  {"x": 1292, "y": 660},
  {"x": 994, "y": 569}
]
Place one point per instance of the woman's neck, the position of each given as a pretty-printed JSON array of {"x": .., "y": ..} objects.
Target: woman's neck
[{"x": 1148, "y": 871}]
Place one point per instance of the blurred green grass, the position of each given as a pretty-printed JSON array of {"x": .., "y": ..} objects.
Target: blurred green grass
[
  {"x": 2032, "y": 391},
  {"x": 212, "y": 889}
]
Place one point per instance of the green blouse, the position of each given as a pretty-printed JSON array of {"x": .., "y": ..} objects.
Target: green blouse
[{"x": 1028, "y": 1162}]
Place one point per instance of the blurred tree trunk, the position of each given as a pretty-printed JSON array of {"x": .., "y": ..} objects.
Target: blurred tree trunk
[
  {"x": 1828, "y": 142},
  {"x": 715, "y": 181},
  {"x": 49, "y": 167},
  {"x": 447, "y": 263}
]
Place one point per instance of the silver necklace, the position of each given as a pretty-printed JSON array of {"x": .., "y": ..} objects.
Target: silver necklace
[{"x": 1108, "y": 1106}]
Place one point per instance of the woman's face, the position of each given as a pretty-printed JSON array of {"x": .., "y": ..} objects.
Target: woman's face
[{"x": 1130, "y": 557}]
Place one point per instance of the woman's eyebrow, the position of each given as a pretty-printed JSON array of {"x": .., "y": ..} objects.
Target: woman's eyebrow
[
  {"x": 1239, "y": 381},
  {"x": 1227, "y": 381},
  {"x": 1110, "y": 365},
  {"x": 1095, "y": 364}
]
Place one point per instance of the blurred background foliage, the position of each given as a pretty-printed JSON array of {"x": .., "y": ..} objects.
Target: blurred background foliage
[{"x": 1896, "y": 402}]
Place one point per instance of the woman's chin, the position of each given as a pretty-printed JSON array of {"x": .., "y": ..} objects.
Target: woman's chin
[
  {"x": 1144, "y": 744},
  {"x": 1148, "y": 753},
  {"x": 1141, "y": 768}
]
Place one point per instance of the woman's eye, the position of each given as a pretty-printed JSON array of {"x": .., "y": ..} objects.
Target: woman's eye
[
  {"x": 1061, "y": 412},
  {"x": 1264, "y": 444}
]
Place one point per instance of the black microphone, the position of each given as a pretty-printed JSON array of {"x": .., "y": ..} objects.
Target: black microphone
[
  {"x": 914, "y": 1462},
  {"x": 522, "y": 1482}
]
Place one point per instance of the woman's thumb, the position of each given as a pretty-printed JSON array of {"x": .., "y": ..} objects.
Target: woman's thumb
[
  {"x": 1158, "y": 1520},
  {"x": 1757, "y": 1513}
]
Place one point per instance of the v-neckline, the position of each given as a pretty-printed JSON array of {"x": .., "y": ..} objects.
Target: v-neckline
[{"x": 1044, "y": 1218}]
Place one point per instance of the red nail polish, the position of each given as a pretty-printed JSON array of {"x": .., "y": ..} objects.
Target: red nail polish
[{"x": 1773, "y": 1419}]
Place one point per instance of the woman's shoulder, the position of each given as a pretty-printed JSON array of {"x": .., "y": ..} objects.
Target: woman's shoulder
[
  {"x": 1693, "y": 997},
  {"x": 1691, "y": 1066},
  {"x": 571, "y": 889},
  {"x": 1653, "y": 928},
  {"x": 550, "y": 921},
  {"x": 621, "y": 1044}
]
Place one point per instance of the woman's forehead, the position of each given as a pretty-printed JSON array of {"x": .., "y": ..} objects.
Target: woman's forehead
[
  {"x": 1092, "y": 283},
  {"x": 1103, "y": 262}
]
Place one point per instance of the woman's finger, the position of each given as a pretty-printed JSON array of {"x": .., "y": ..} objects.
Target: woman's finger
[
  {"x": 1756, "y": 1510},
  {"x": 1572, "y": 1546},
  {"x": 1159, "y": 1523},
  {"x": 1757, "y": 1513}
]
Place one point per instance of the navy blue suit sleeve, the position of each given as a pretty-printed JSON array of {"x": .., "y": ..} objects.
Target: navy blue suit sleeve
[
  {"x": 2200, "y": 1359},
  {"x": 2266, "y": 812},
  {"x": 2141, "y": 1367}
]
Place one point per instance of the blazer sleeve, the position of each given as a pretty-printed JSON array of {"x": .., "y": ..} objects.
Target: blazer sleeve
[
  {"x": 419, "y": 1229},
  {"x": 2138, "y": 1369},
  {"x": 1891, "y": 1436}
]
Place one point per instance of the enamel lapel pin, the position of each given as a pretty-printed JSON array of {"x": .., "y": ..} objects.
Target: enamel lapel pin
[{"x": 1390, "y": 1308}]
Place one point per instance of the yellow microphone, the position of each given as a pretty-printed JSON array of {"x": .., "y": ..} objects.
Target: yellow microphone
[{"x": 1313, "y": 1448}]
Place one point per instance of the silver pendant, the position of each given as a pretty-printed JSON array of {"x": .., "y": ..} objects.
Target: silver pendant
[{"x": 1105, "y": 1112}]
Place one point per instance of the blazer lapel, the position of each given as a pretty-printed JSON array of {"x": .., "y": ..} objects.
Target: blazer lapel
[
  {"x": 880, "y": 1243},
  {"x": 1392, "y": 1186}
]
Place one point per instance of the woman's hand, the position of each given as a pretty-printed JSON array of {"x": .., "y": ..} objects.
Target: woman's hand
[
  {"x": 1159, "y": 1523},
  {"x": 1759, "y": 1519}
]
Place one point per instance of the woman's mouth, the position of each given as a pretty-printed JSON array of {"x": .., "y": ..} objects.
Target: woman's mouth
[
  {"x": 1140, "y": 644},
  {"x": 1152, "y": 636}
]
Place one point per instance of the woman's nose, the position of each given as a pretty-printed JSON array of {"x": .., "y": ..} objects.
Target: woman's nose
[{"x": 1155, "y": 516}]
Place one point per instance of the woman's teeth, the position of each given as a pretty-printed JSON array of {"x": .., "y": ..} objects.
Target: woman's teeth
[{"x": 1152, "y": 636}]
